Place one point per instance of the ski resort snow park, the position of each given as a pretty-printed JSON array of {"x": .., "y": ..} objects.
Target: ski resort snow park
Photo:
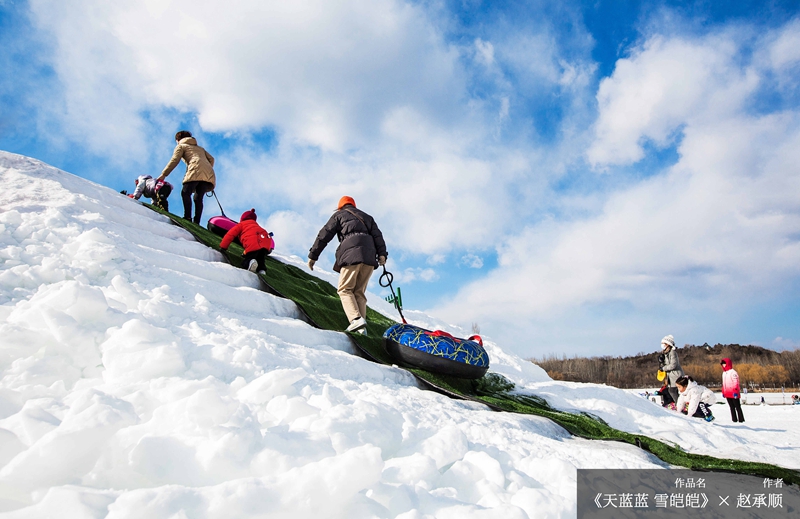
[{"x": 394, "y": 259}]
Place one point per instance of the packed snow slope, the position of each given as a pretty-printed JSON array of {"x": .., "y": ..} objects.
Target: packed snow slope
[
  {"x": 144, "y": 377},
  {"x": 322, "y": 308}
]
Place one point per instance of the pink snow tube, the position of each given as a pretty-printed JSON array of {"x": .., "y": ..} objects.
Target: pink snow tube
[{"x": 220, "y": 225}]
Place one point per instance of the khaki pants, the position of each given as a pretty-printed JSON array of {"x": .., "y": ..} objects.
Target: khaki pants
[{"x": 353, "y": 281}]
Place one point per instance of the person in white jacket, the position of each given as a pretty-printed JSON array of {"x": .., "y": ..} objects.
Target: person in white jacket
[
  {"x": 157, "y": 190},
  {"x": 695, "y": 400}
]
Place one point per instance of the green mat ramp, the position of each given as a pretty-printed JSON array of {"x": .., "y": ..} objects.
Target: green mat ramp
[{"x": 319, "y": 302}]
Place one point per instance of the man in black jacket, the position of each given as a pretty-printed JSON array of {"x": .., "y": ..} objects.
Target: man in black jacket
[{"x": 361, "y": 250}]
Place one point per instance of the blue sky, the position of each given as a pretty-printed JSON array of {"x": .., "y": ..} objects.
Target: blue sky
[{"x": 575, "y": 177}]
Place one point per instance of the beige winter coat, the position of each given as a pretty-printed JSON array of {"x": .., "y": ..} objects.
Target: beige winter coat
[{"x": 199, "y": 162}]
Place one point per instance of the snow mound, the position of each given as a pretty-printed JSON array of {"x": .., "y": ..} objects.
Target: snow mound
[{"x": 144, "y": 377}]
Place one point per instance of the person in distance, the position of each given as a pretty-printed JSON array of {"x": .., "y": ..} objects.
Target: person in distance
[
  {"x": 731, "y": 390},
  {"x": 695, "y": 400},
  {"x": 669, "y": 363}
]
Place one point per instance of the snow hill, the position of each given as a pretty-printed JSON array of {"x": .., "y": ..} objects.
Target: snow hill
[{"x": 144, "y": 377}]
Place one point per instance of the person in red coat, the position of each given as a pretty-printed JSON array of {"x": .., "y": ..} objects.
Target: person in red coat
[{"x": 256, "y": 241}]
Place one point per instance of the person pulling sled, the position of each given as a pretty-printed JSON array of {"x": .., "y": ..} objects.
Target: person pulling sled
[
  {"x": 255, "y": 239},
  {"x": 361, "y": 250},
  {"x": 199, "y": 178}
]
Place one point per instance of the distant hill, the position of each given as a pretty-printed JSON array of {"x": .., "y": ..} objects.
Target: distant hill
[{"x": 758, "y": 367}]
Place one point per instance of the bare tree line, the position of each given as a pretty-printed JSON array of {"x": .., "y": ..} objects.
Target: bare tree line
[{"x": 758, "y": 368}]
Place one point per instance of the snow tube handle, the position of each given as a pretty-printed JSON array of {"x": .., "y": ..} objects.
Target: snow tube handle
[
  {"x": 476, "y": 338},
  {"x": 442, "y": 333}
]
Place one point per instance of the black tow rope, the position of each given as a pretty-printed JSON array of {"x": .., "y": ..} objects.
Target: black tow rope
[
  {"x": 220, "y": 205},
  {"x": 389, "y": 278}
]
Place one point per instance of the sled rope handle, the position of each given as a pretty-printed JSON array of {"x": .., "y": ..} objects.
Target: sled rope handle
[
  {"x": 214, "y": 194},
  {"x": 389, "y": 278}
]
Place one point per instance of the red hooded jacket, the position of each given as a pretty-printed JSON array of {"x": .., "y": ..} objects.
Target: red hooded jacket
[
  {"x": 252, "y": 236},
  {"x": 730, "y": 380}
]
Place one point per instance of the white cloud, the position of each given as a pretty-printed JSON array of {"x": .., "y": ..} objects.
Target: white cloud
[
  {"x": 436, "y": 259},
  {"x": 410, "y": 275},
  {"x": 428, "y": 202},
  {"x": 785, "y": 49},
  {"x": 472, "y": 261},
  {"x": 101, "y": 100},
  {"x": 715, "y": 232},
  {"x": 665, "y": 84},
  {"x": 484, "y": 52},
  {"x": 292, "y": 232},
  {"x": 242, "y": 65},
  {"x": 781, "y": 344},
  {"x": 365, "y": 97},
  {"x": 532, "y": 56}
]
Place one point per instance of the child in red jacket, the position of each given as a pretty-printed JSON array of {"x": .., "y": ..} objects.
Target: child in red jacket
[{"x": 255, "y": 240}]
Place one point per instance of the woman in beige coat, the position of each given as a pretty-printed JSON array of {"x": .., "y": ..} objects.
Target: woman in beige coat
[{"x": 199, "y": 178}]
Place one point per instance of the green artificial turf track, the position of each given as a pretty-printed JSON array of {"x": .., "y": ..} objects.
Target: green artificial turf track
[{"x": 319, "y": 302}]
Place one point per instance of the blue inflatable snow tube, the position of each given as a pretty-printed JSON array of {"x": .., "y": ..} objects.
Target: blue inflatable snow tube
[{"x": 436, "y": 352}]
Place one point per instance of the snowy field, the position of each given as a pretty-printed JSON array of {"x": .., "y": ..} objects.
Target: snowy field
[
  {"x": 772, "y": 426},
  {"x": 144, "y": 377},
  {"x": 749, "y": 399}
]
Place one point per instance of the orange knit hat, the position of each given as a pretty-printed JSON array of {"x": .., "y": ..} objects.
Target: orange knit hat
[{"x": 346, "y": 200}]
